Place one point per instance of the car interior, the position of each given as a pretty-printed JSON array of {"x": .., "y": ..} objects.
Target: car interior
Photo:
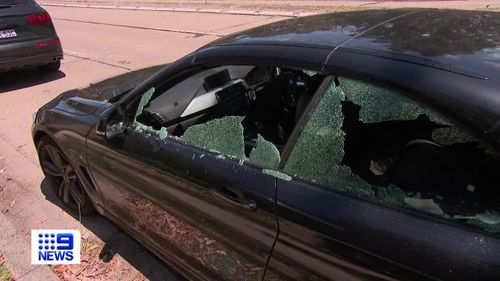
[
  {"x": 271, "y": 100},
  {"x": 460, "y": 177}
]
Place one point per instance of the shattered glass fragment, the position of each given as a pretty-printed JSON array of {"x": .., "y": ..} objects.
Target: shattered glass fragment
[
  {"x": 163, "y": 133},
  {"x": 493, "y": 228},
  {"x": 489, "y": 217},
  {"x": 224, "y": 135},
  {"x": 220, "y": 156},
  {"x": 143, "y": 102},
  {"x": 277, "y": 174},
  {"x": 380, "y": 104},
  {"x": 318, "y": 153},
  {"x": 325, "y": 147},
  {"x": 139, "y": 127},
  {"x": 425, "y": 205},
  {"x": 391, "y": 195},
  {"x": 489, "y": 220},
  {"x": 451, "y": 135},
  {"x": 265, "y": 154},
  {"x": 310, "y": 72},
  {"x": 115, "y": 128}
]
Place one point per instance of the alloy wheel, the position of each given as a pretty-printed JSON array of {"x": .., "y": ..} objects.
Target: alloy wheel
[{"x": 62, "y": 175}]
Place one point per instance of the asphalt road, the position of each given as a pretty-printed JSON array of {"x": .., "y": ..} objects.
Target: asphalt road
[{"x": 97, "y": 44}]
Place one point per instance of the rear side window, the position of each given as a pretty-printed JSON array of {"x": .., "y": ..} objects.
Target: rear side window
[{"x": 375, "y": 143}]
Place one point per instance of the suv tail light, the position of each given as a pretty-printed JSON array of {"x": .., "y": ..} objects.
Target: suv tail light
[
  {"x": 47, "y": 43},
  {"x": 39, "y": 19}
]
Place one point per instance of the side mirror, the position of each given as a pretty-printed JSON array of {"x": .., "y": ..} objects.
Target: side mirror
[{"x": 111, "y": 123}]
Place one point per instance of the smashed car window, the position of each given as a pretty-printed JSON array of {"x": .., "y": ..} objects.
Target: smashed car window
[
  {"x": 374, "y": 143},
  {"x": 265, "y": 154},
  {"x": 244, "y": 112},
  {"x": 141, "y": 127},
  {"x": 319, "y": 150},
  {"x": 380, "y": 104},
  {"x": 223, "y": 135}
]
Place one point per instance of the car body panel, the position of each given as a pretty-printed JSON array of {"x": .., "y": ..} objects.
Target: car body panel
[
  {"x": 466, "y": 40},
  {"x": 70, "y": 136},
  {"x": 462, "y": 40},
  {"x": 88, "y": 100},
  {"x": 338, "y": 235},
  {"x": 327, "y": 30},
  {"x": 150, "y": 191},
  {"x": 110, "y": 89},
  {"x": 292, "y": 56}
]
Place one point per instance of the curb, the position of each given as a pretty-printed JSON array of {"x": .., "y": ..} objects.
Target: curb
[{"x": 185, "y": 10}]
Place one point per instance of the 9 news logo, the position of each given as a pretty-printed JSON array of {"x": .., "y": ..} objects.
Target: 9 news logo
[{"x": 55, "y": 246}]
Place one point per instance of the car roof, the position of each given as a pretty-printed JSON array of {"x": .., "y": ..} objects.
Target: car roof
[{"x": 467, "y": 42}]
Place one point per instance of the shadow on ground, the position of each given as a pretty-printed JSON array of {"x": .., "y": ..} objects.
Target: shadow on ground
[
  {"x": 15, "y": 80},
  {"x": 117, "y": 242}
]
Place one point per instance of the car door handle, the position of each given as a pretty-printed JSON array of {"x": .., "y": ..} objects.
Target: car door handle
[{"x": 235, "y": 199}]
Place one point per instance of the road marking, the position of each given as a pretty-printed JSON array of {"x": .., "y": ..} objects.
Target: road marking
[
  {"x": 92, "y": 58},
  {"x": 197, "y": 33},
  {"x": 289, "y": 14}
]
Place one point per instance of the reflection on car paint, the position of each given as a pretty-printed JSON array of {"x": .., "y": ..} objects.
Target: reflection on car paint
[{"x": 191, "y": 241}]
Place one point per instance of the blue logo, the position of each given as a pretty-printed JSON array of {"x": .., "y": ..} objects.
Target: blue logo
[{"x": 55, "y": 247}]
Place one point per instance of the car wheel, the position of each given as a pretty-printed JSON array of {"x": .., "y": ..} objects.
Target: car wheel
[
  {"x": 50, "y": 67},
  {"x": 62, "y": 177}
]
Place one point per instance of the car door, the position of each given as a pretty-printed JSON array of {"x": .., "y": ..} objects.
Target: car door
[
  {"x": 340, "y": 219},
  {"x": 194, "y": 208}
]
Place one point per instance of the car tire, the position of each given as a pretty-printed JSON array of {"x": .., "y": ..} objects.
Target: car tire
[
  {"x": 50, "y": 67},
  {"x": 62, "y": 177}
]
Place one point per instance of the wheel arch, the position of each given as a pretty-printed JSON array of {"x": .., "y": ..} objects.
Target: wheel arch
[{"x": 38, "y": 135}]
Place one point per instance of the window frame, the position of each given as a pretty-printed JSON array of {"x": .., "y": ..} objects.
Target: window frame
[{"x": 184, "y": 71}]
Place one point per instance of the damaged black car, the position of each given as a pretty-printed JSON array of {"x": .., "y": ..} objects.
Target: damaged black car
[{"x": 357, "y": 145}]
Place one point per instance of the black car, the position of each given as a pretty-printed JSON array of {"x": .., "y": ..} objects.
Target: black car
[
  {"x": 27, "y": 37},
  {"x": 357, "y": 145}
]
